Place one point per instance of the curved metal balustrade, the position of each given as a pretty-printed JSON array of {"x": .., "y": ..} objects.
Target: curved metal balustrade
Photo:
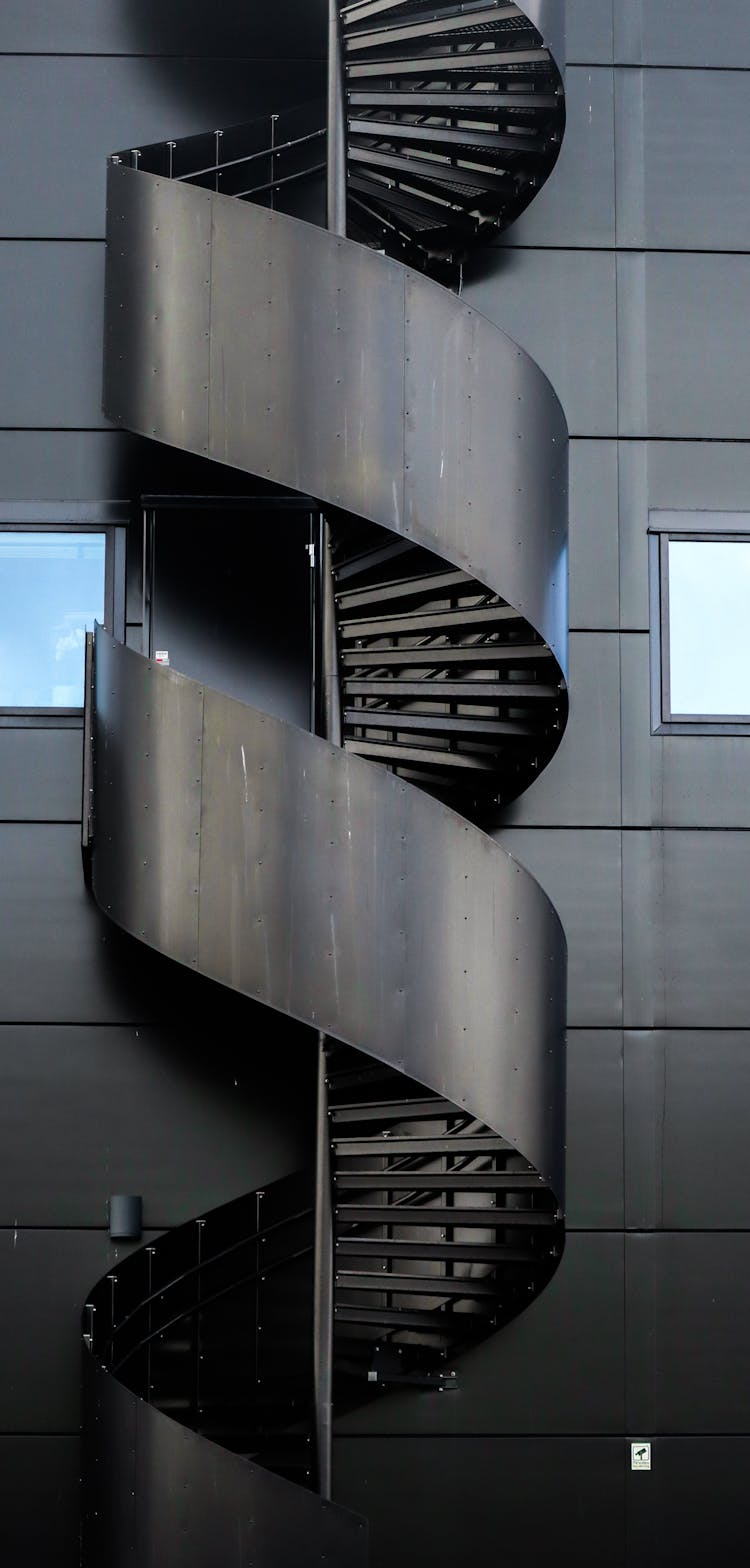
[{"x": 347, "y": 887}]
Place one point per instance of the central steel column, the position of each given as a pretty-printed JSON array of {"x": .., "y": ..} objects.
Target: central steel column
[{"x": 330, "y": 724}]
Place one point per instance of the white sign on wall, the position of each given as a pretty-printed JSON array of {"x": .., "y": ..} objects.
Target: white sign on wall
[{"x": 640, "y": 1456}]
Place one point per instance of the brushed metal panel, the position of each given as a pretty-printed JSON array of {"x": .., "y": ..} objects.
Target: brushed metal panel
[
  {"x": 560, "y": 306},
  {"x": 580, "y": 870},
  {"x": 687, "y": 1332},
  {"x": 156, "y": 376},
  {"x": 687, "y": 1101},
  {"x": 581, "y": 786},
  {"x": 51, "y": 302},
  {"x": 335, "y": 893},
  {"x": 675, "y": 781},
  {"x": 149, "y": 736},
  {"x": 173, "y": 27},
  {"x": 40, "y": 775},
  {"x": 655, "y": 32},
  {"x": 682, "y": 366},
  {"x": 555, "y": 1369},
  {"x": 686, "y": 898},
  {"x": 577, "y": 204},
  {"x": 676, "y": 187},
  {"x": 39, "y": 1493},
  {"x": 61, "y": 116},
  {"x": 694, "y": 477},
  {"x": 594, "y": 572},
  {"x": 548, "y": 17},
  {"x": 594, "y": 1152},
  {"x": 489, "y": 1490},
  {"x": 469, "y": 392},
  {"x": 323, "y": 319},
  {"x": 147, "y": 1110}
]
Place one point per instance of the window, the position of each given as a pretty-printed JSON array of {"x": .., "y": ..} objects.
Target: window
[
  {"x": 52, "y": 589},
  {"x": 701, "y": 622}
]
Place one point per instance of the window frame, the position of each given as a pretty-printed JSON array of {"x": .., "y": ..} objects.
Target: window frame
[
  {"x": 693, "y": 528},
  {"x": 45, "y": 518}
]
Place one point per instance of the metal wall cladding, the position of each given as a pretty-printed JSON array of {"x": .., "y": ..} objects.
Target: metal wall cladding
[
  {"x": 330, "y": 323},
  {"x": 557, "y": 1368},
  {"x": 682, "y": 350},
  {"x": 676, "y": 187},
  {"x": 39, "y": 1489},
  {"x": 581, "y": 785},
  {"x": 61, "y": 117},
  {"x": 697, "y": 477},
  {"x": 658, "y": 32},
  {"x": 548, "y": 17},
  {"x": 174, "y": 27},
  {"x": 594, "y": 566},
  {"x": 212, "y": 1504},
  {"x": 577, "y": 204},
  {"x": 147, "y": 1110},
  {"x": 489, "y": 1489},
  {"x": 331, "y": 891},
  {"x": 588, "y": 32},
  {"x": 51, "y": 303},
  {"x": 687, "y": 1102},
  {"x": 580, "y": 870},
  {"x": 560, "y": 306},
  {"x": 47, "y": 1275},
  {"x": 675, "y": 781},
  {"x": 40, "y": 775},
  {"x": 686, "y": 908},
  {"x": 691, "y": 1507},
  {"x": 594, "y": 1152},
  {"x": 686, "y": 1346}
]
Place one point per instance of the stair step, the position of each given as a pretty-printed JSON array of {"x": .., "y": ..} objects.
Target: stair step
[
  {"x": 466, "y": 23},
  {"x": 458, "y": 1181},
  {"x": 435, "y": 1322},
  {"x": 405, "y": 588},
  {"x": 437, "y": 723},
  {"x": 485, "y": 63},
  {"x": 444, "y": 1215},
  {"x": 451, "y": 1143},
  {"x": 438, "y": 1251},
  {"x": 460, "y": 619},
  {"x": 416, "y": 1284},
  {"x": 433, "y": 655},
  {"x": 499, "y": 145},
  {"x": 394, "y": 751},
  {"x": 394, "y": 1110},
  {"x": 448, "y": 100},
  {"x": 517, "y": 693}
]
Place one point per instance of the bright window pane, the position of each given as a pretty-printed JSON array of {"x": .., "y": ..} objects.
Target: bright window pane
[
  {"x": 51, "y": 592},
  {"x": 709, "y": 627}
]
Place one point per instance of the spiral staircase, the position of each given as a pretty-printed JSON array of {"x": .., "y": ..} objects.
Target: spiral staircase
[{"x": 342, "y": 878}]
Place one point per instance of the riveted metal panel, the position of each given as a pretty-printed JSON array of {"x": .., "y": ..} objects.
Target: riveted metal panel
[
  {"x": 686, "y": 1347},
  {"x": 657, "y": 32},
  {"x": 594, "y": 1153},
  {"x": 581, "y": 785},
  {"x": 560, "y": 306},
  {"x": 687, "y": 1101},
  {"x": 577, "y": 204},
  {"x": 306, "y": 345},
  {"x": 676, "y": 187},
  {"x": 682, "y": 365},
  {"x": 489, "y": 1491},
  {"x": 149, "y": 735},
  {"x": 580, "y": 871},
  {"x": 335, "y": 893},
  {"x": 469, "y": 391},
  {"x": 157, "y": 314},
  {"x": 686, "y": 900},
  {"x": 557, "y": 1368}
]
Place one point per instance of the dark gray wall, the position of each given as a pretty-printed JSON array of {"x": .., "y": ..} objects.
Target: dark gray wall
[{"x": 628, "y": 281}]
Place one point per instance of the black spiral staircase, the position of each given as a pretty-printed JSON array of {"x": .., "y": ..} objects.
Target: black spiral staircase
[{"x": 444, "y": 1038}]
